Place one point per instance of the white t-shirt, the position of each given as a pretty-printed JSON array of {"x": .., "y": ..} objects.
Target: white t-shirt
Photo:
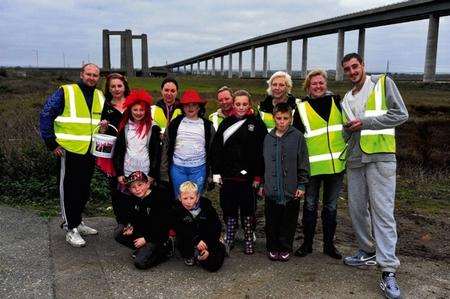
[
  {"x": 355, "y": 104},
  {"x": 136, "y": 155},
  {"x": 190, "y": 143}
]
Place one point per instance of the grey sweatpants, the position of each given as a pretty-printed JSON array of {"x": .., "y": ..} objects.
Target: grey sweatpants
[{"x": 371, "y": 200}]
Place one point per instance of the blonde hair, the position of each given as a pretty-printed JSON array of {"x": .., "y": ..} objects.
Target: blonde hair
[
  {"x": 313, "y": 73},
  {"x": 188, "y": 186},
  {"x": 279, "y": 74}
]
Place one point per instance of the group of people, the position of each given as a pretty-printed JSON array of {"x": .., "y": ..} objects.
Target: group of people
[{"x": 169, "y": 153}]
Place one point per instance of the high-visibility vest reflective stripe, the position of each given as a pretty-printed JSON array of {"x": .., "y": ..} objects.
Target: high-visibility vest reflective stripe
[
  {"x": 74, "y": 127},
  {"x": 324, "y": 139},
  {"x": 216, "y": 119},
  {"x": 159, "y": 117},
  {"x": 377, "y": 141}
]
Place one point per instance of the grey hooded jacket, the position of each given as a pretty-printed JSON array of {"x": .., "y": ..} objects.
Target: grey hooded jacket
[{"x": 286, "y": 165}]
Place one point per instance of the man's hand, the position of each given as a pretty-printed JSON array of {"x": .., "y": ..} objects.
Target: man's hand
[
  {"x": 299, "y": 194},
  {"x": 353, "y": 125},
  {"x": 58, "y": 151},
  {"x": 139, "y": 242},
  {"x": 128, "y": 230},
  {"x": 121, "y": 180}
]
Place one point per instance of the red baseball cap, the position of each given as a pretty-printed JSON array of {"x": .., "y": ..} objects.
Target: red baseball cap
[{"x": 191, "y": 96}]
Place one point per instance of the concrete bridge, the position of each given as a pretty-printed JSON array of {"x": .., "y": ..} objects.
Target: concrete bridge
[{"x": 387, "y": 15}]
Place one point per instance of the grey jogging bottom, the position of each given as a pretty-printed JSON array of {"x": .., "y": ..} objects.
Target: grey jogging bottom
[{"x": 371, "y": 200}]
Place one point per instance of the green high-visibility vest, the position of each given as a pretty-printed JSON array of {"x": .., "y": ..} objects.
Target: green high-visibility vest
[
  {"x": 216, "y": 119},
  {"x": 159, "y": 117},
  {"x": 376, "y": 141},
  {"x": 268, "y": 120},
  {"x": 74, "y": 127},
  {"x": 324, "y": 139}
]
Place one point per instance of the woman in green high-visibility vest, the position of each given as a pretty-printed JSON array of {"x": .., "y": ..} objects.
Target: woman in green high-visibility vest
[{"x": 321, "y": 123}]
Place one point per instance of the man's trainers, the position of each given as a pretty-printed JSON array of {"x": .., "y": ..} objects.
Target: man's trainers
[
  {"x": 389, "y": 286},
  {"x": 361, "y": 259},
  {"x": 189, "y": 261},
  {"x": 284, "y": 256},
  {"x": 73, "y": 238},
  {"x": 86, "y": 230}
]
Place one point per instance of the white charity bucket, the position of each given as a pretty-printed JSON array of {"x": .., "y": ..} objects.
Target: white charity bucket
[{"x": 103, "y": 144}]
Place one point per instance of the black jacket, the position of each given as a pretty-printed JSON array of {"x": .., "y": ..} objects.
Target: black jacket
[
  {"x": 206, "y": 226},
  {"x": 320, "y": 105},
  {"x": 154, "y": 152},
  {"x": 151, "y": 216},
  {"x": 243, "y": 151},
  {"x": 171, "y": 136},
  {"x": 113, "y": 116}
]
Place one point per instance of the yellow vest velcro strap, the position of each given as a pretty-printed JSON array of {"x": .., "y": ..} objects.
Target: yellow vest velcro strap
[
  {"x": 317, "y": 132},
  {"x": 79, "y": 120},
  {"x": 378, "y": 132},
  {"x": 73, "y": 137},
  {"x": 371, "y": 113},
  {"x": 324, "y": 157}
]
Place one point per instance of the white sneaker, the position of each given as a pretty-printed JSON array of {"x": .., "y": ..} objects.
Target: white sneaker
[
  {"x": 86, "y": 230},
  {"x": 73, "y": 238}
]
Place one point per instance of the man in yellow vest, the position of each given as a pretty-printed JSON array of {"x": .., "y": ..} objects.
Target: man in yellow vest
[
  {"x": 372, "y": 109},
  {"x": 168, "y": 107},
  {"x": 67, "y": 122},
  {"x": 225, "y": 101}
]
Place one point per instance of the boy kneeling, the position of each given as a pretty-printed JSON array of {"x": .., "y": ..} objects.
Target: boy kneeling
[
  {"x": 198, "y": 229},
  {"x": 148, "y": 230}
]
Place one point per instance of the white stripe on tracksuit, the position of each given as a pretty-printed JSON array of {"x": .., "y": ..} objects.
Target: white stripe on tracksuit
[{"x": 62, "y": 175}]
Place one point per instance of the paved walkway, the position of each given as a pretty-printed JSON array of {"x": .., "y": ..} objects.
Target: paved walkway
[{"x": 36, "y": 262}]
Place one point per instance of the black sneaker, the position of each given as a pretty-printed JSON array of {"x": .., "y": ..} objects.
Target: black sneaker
[
  {"x": 133, "y": 254},
  {"x": 189, "y": 261},
  {"x": 303, "y": 250}
]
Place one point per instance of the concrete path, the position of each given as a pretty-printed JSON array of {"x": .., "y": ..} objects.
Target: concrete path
[{"x": 36, "y": 262}]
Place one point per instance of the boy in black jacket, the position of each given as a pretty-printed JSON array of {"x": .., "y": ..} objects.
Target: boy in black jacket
[
  {"x": 198, "y": 229},
  {"x": 150, "y": 222}
]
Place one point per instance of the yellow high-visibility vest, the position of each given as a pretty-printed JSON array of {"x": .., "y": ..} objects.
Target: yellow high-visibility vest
[
  {"x": 324, "y": 139},
  {"x": 74, "y": 127},
  {"x": 159, "y": 117}
]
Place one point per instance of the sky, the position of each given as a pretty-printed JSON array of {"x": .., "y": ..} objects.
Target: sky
[{"x": 61, "y": 33}]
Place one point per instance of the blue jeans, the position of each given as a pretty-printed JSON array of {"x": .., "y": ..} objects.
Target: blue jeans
[{"x": 181, "y": 174}]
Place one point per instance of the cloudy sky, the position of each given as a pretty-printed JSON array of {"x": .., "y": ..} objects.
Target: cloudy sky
[{"x": 70, "y": 32}]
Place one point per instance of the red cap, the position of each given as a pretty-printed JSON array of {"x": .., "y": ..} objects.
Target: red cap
[
  {"x": 191, "y": 96},
  {"x": 136, "y": 96}
]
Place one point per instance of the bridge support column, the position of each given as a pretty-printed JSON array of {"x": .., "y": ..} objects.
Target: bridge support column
[
  {"x": 240, "y": 64},
  {"x": 106, "y": 51},
  {"x": 184, "y": 69},
  {"x": 222, "y": 72},
  {"x": 192, "y": 68},
  {"x": 252, "y": 67},
  {"x": 230, "y": 65},
  {"x": 340, "y": 55},
  {"x": 206, "y": 67},
  {"x": 213, "y": 66},
  {"x": 361, "y": 41},
  {"x": 198, "y": 67},
  {"x": 144, "y": 55},
  {"x": 289, "y": 56},
  {"x": 129, "y": 52},
  {"x": 305, "y": 57},
  {"x": 265, "y": 61},
  {"x": 429, "y": 74}
]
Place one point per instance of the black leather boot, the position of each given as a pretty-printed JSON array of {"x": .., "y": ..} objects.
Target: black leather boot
[
  {"x": 329, "y": 229},
  {"x": 309, "y": 227}
]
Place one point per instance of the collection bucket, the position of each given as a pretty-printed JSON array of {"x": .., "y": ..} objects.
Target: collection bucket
[{"x": 103, "y": 144}]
